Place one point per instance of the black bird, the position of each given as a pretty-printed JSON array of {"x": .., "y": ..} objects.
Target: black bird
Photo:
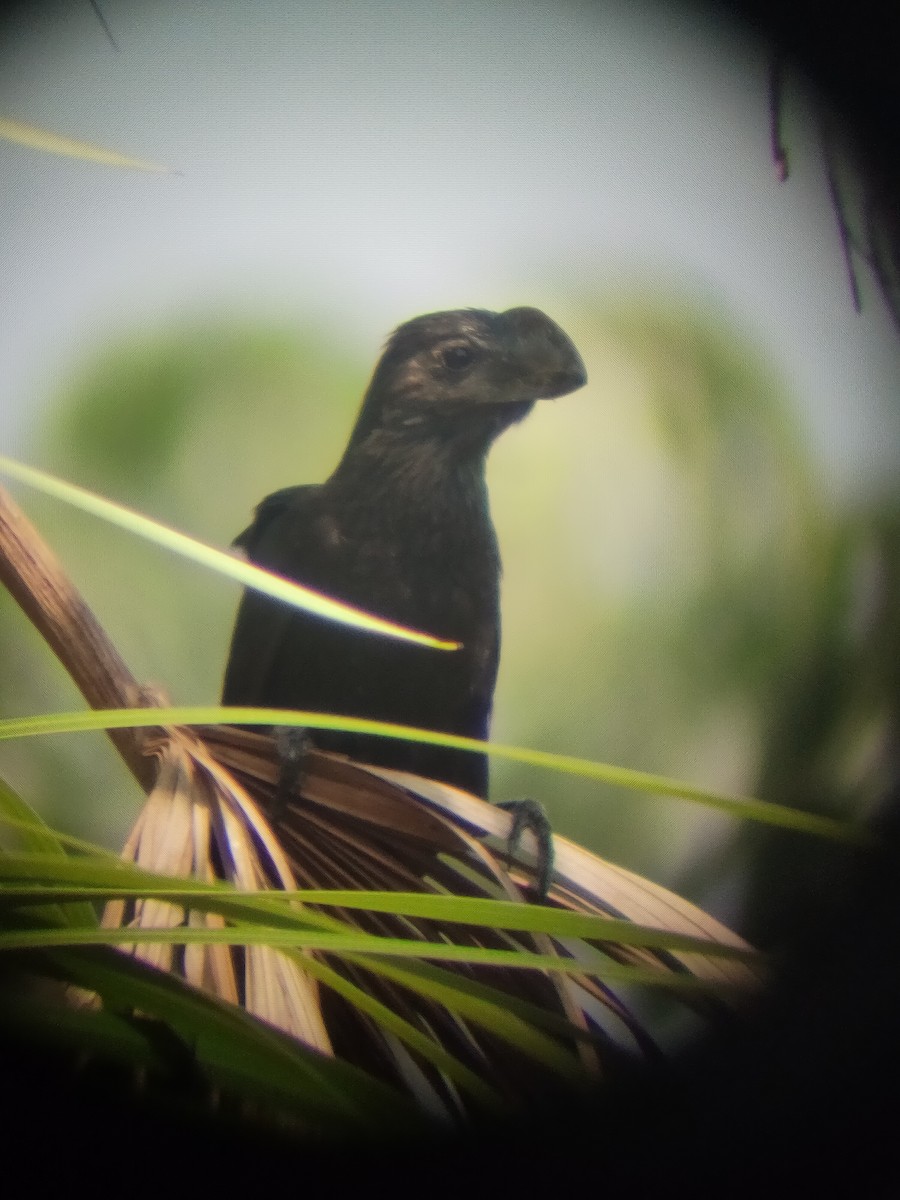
[{"x": 402, "y": 529}]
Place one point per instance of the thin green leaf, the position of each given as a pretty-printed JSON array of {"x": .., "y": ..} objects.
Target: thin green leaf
[
  {"x": 430, "y": 1050},
  {"x": 88, "y": 1031},
  {"x": 54, "y": 143},
  {"x": 239, "y": 1051},
  {"x": 33, "y": 832},
  {"x": 63, "y": 840},
  {"x": 37, "y": 838},
  {"x": 350, "y": 942},
  {"x": 272, "y": 906},
  {"x": 497, "y": 1018},
  {"x": 743, "y": 807},
  {"x": 226, "y": 564},
  {"x": 112, "y": 877}
]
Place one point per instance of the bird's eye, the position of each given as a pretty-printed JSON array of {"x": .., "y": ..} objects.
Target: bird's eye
[{"x": 457, "y": 358}]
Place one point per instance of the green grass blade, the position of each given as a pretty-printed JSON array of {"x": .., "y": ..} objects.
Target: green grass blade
[
  {"x": 226, "y": 564},
  {"x": 412, "y": 1037},
  {"x": 745, "y": 808},
  {"x": 81, "y": 880},
  {"x": 54, "y": 143},
  {"x": 349, "y": 942},
  {"x": 36, "y": 838},
  {"x": 492, "y": 1014},
  {"x": 237, "y": 1050}
]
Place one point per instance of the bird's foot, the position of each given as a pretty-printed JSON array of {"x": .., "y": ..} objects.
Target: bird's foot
[
  {"x": 530, "y": 814},
  {"x": 292, "y": 744}
]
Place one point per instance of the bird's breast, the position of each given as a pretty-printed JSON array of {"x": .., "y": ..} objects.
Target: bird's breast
[{"x": 441, "y": 580}]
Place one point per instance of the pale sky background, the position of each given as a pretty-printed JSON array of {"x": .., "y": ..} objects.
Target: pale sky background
[{"x": 365, "y": 161}]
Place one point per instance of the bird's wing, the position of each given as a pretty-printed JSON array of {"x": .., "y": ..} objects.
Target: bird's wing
[
  {"x": 261, "y": 621},
  {"x": 266, "y": 512}
]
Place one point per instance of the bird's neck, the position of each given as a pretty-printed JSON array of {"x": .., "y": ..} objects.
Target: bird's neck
[{"x": 415, "y": 474}]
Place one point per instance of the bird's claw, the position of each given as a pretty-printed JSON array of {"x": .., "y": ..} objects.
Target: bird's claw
[
  {"x": 531, "y": 814},
  {"x": 292, "y": 744}
]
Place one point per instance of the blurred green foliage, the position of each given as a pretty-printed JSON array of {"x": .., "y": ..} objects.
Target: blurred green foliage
[{"x": 682, "y": 594}]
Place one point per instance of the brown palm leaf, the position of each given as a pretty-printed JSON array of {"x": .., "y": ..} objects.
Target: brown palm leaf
[
  {"x": 198, "y": 821},
  {"x": 354, "y": 827},
  {"x": 434, "y": 1027}
]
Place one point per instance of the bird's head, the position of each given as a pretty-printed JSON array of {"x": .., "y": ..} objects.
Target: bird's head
[{"x": 464, "y": 376}]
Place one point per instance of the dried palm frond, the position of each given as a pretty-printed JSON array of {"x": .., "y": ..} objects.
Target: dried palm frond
[
  {"x": 348, "y": 826},
  {"x": 198, "y": 821},
  {"x": 473, "y": 1019}
]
